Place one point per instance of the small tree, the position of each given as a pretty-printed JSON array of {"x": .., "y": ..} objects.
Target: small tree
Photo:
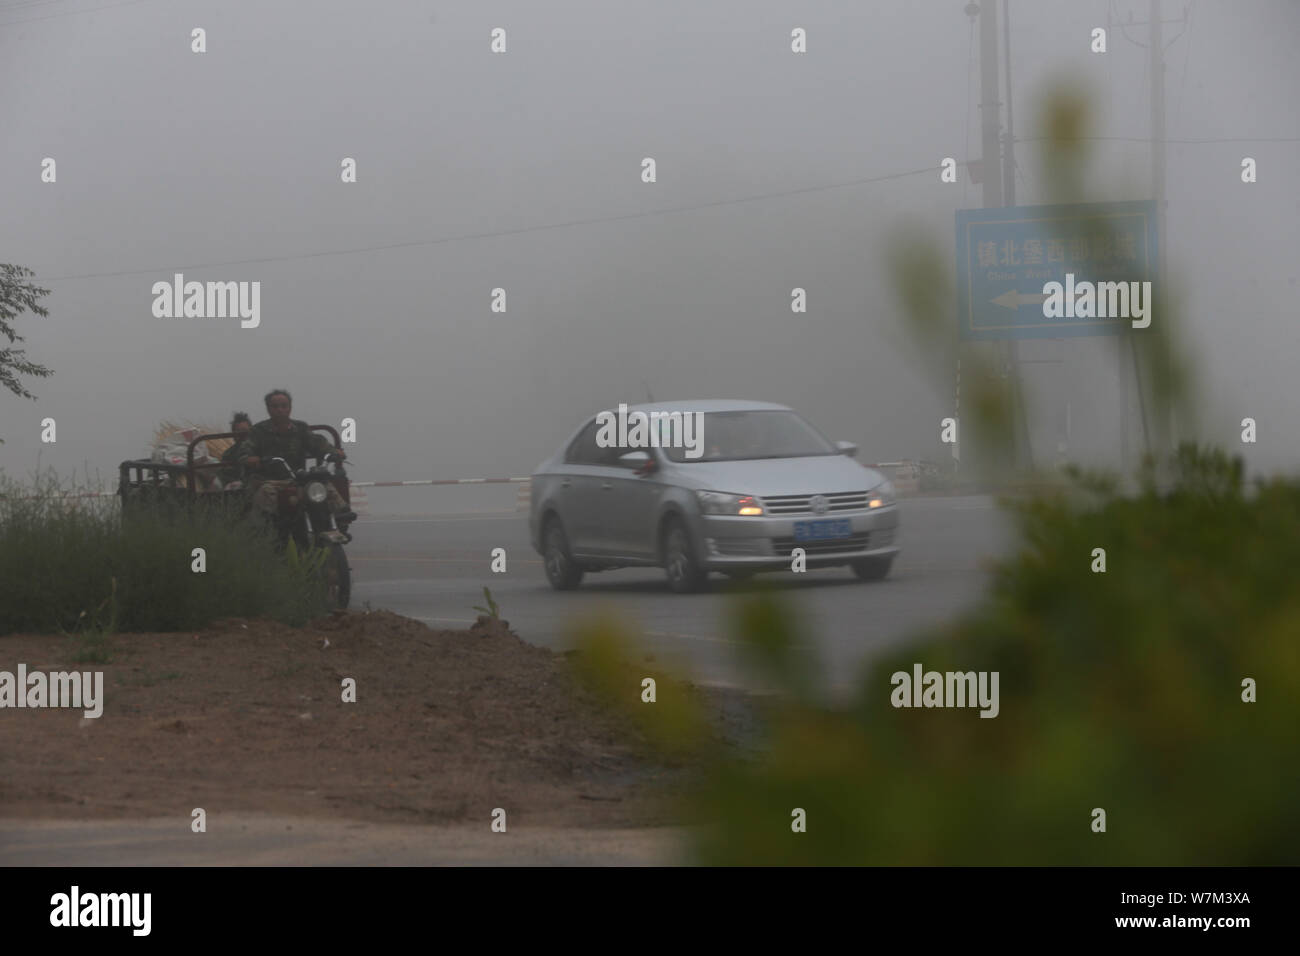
[{"x": 18, "y": 295}]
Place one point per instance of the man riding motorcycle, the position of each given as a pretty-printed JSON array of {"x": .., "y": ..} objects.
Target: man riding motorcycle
[{"x": 282, "y": 436}]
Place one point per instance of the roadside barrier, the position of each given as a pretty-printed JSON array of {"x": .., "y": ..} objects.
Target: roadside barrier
[{"x": 361, "y": 505}]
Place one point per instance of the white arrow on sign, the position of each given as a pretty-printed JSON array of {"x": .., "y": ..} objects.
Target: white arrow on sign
[{"x": 1014, "y": 299}]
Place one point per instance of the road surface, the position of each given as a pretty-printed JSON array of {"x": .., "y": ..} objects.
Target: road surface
[{"x": 433, "y": 567}]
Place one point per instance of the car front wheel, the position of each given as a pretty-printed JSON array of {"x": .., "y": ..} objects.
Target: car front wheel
[{"x": 684, "y": 572}]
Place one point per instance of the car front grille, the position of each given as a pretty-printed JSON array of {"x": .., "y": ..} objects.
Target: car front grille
[
  {"x": 855, "y": 542},
  {"x": 799, "y": 504}
]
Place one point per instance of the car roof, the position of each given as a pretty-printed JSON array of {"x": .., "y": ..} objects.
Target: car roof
[{"x": 702, "y": 405}]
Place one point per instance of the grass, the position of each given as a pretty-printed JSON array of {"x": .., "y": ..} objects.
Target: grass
[
  {"x": 493, "y": 609},
  {"x": 91, "y": 648},
  {"x": 59, "y": 564}
]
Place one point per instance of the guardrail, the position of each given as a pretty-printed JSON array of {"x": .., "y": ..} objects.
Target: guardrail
[
  {"x": 359, "y": 502},
  {"x": 522, "y": 499}
]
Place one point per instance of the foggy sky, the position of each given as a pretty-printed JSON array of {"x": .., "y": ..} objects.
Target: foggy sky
[{"x": 168, "y": 159}]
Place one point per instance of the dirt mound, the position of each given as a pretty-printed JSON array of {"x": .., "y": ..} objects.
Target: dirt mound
[{"x": 250, "y": 716}]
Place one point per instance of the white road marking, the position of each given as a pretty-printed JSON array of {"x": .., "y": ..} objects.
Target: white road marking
[
  {"x": 711, "y": 640},
  {"x": 690, "y": 637},
  {"x": 423, "y": 560}
]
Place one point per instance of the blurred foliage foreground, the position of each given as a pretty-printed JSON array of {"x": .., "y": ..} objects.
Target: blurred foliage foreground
[
  {"x": 1120, "y": 690},
  {"x": 1162, "y": 691}
]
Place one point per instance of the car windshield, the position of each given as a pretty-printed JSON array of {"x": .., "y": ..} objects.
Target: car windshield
[{"x": 746, "y": 435}]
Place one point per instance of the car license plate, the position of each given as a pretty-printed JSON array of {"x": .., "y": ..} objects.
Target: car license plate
[{"x": 821, "y": 530}]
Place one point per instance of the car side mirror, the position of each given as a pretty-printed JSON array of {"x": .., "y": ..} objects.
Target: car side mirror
[
  {"x": 847, "y": 448},
  {"x": 639, "y": 461}
]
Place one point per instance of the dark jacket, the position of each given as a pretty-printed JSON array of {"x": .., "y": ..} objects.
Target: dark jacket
[
  {"x": 294, "y": 446},
  {"x": 231, "y": 469}
]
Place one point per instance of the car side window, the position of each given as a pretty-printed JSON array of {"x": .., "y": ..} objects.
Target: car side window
[{"x": 584, "y": 450}]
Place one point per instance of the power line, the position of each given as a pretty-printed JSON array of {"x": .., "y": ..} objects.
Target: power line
[
  {"x": 70, "y": 13},
  {"x": 7, "y": 7},
  {"x": 1148, "y": 139},
  {"x": 1122, "y": 26},
  {"x": 22, "y": 4},
  {"x": 597, "y": 220}
]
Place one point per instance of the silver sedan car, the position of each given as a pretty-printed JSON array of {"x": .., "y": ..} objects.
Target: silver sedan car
[{"x": 753, "y": 487}]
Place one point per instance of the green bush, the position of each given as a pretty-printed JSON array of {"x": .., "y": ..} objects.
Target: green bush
[
  {"x": 59, "y": 559},
  {"x": 1120, "y": 690}
]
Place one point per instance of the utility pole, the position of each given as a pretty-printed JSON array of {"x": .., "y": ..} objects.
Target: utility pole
[
  {"x": 1156, "y": 66},
  {"x": 997, "y": 170},
  {"x": 1157, "y": 173},
  {"x": 991, "y": 160},
  {"x": 1158, "y": 129},
  {"x": 1026, "y": 445},
  {"x": 991, "y": 164},
  {"x": 1009, "y": 151}
]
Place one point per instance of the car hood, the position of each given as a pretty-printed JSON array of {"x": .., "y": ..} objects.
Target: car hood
[{"x": 768, "y": 477}]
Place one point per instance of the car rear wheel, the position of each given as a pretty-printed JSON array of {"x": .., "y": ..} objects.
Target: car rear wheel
[
  {"x": 561, "y": 570},
  {"x": 683, "y": 569},
  {"x": 873, "y": 569}
]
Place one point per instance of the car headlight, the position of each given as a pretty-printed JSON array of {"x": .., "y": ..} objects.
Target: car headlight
[
  {"x": 721, "y": 503},
  {"x": 316, "y": 492},
  {"x": 881, "y": 495}
]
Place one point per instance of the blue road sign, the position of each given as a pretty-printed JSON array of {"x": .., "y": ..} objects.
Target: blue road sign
[{"x": 1006, "y": 256}]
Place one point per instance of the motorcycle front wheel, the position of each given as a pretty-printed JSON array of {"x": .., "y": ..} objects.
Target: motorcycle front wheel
[{"x": 337, "y": 578}]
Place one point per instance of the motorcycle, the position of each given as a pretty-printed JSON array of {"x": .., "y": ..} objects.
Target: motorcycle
[{"x": 303, "y": 515}]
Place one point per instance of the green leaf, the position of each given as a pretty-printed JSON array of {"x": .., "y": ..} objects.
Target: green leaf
[{"x": 493, "y": 609}]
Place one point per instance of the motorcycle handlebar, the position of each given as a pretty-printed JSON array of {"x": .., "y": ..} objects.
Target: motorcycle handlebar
[{"x": 331, "y": 458}]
